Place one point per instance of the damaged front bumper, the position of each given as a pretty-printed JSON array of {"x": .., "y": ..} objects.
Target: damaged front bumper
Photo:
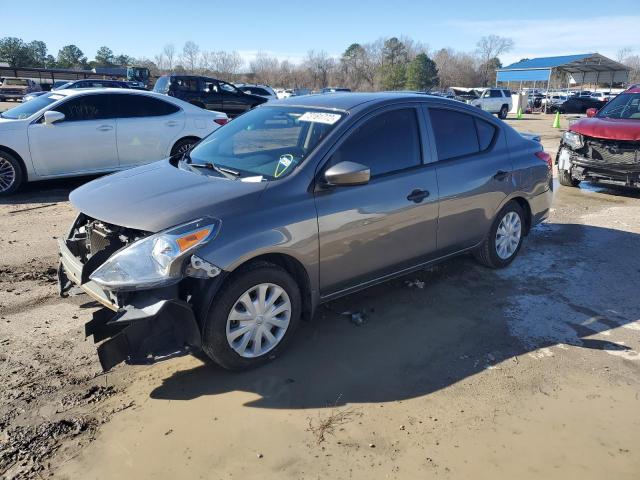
[
  {"x": 137, "y": 328},
  {"x": 590, "y": 170}
]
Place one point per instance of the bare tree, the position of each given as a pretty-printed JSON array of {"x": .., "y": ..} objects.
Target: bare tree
[
  {"x": 623, "y": 53},
  {"x": 488, "y": 49},
  {"x": 633, "y": 62},
  {"x": 320, "y": 67},
  {"x": 264, "y": 68},
  {"x": 228, "y": 64},
  {"x": 159, "y": 61},
  {"x": 169, "y": 52},
  {"x": 190, "y": 54}
]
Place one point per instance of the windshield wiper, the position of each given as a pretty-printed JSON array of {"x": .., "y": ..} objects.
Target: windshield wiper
[{"x": 225, "y": 172}]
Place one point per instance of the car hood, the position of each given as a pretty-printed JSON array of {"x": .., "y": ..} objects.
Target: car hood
[
  {"x": 159, "y": 195},
  {"x": 608, "y": 128},
  {"x": 7, "y": 124}
]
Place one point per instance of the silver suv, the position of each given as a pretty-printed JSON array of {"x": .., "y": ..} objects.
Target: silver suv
[{"x": 300, "y": 201}]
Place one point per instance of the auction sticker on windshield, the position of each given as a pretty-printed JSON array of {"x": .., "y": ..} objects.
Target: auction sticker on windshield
[{"x": 320, "y": 117}]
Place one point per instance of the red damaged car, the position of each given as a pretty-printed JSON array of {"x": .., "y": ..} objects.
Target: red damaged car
[{"x": 605, "y": 147}]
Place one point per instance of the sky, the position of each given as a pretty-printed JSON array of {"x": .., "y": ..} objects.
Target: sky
[{"x": 288, "y": 29}]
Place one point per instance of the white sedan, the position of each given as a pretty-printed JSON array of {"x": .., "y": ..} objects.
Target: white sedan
[{"x": 78, "y": 132}]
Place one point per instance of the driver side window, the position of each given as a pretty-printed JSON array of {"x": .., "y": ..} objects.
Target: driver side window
[
  {"x": 386, "y": 143},
  {"x": 86, "y": 107}
]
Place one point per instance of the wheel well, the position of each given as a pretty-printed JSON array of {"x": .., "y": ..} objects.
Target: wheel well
[
  {"x": 189, "y": 137},
  {"x": 527, "y": 212},
  {"x": 293, "y": 268},
  {"x": 14, "y": 154}
]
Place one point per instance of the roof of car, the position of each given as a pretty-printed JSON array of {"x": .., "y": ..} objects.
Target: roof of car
[
  {"x": 128, "y": 91},
  {"x": 347, "y": 101}
]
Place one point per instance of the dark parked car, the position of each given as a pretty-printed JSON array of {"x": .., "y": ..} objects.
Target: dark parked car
[
  {"x": 208, "y": 93},
  {"x": 577, "y": 104},
  {"x": 80, "y": 84},
  {"x": 295, "y": 203},
  {"x": 604, "y": 147}
]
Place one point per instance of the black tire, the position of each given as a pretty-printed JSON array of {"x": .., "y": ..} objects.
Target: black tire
[
  {"x": 486, "y": 253},
  {"x": 183, "y": 146},
  {"x": 565, "y": 178},
  {"x": 502, "y": 114},
  {"x": 10, "y": 166},
  {"x": 214, "y": 332}
]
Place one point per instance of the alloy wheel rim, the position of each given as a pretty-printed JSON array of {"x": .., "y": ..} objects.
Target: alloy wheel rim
[
  {"x": 508, "y": 235},
  {"x": 258, "y": 320},
  {"x": 185, "y": 147},
  {"x": 7, "y": 175}
]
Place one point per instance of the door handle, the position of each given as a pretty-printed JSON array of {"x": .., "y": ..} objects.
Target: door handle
[
  {"x": 105, "y": 128},
  {"x": 172, "y": 124},
  {"x": 501, "y": 175},
  {"x": 417, "y": 195}
]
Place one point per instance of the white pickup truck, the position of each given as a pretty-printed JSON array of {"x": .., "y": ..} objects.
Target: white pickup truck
[{"x": 492, "y": 100}]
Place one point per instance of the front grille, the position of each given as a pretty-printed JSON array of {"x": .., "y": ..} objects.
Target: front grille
[
  {"x": 11, "y": 91},
  {"x": 613, "y": 151}
]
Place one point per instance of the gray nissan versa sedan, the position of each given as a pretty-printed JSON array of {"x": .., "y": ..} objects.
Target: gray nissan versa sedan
[{"x": 294, "y": 203}]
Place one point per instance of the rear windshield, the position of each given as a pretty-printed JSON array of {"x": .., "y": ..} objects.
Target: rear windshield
[
  {"x": 265, "y": 143},
  {"x": 25, "y": 110},
  {"x": 162, "y": 85},
  {"x": 15, "y": 82},
  {"x": 625, "y": 105}
]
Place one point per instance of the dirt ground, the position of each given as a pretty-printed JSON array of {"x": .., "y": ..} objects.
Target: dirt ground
[{"x": 457, "y": 372}]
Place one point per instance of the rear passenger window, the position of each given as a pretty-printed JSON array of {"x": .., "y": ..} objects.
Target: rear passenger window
[
  {"x": 455, "y": 133},
  {"x": 386, "y": 143},
  {"x": 130, "y": 106},
  {"x": 486, "y": 132},
  {"x": 495, "y": 94},
  {"x": 186, "y": 84}
]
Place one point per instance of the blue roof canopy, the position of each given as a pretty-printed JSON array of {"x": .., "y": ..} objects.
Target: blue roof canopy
[
  {"x": 546, "y": 62},
  {"x": 582, "y": 67},
  {"x": 524, "y": 75}
]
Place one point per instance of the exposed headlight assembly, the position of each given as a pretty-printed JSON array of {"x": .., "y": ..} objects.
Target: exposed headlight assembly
[
  {"x": 572, "y": 139},
  {"x": 157, "y": 260}
]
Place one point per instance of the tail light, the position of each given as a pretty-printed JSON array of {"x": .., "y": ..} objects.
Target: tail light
[
  {"x": 221, "y": 121},
  {"x": 545, "y": 157}
]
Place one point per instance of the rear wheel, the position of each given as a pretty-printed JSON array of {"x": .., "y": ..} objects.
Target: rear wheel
[
  {"x": 252, "y": 318},
  {"x": 502, "y": 114},
  {"x": 504, "y": 239},
  {"x": 183, "y": 146},
  {"x": 11, "y": 176},
  {"x": 565, "y": 178}
]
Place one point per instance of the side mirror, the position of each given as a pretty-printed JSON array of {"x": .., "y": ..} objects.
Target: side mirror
[
  {"x": 591, "y": 112},
  {"x": 347, "y": 173},
  {"x": 51, "y": 117}
]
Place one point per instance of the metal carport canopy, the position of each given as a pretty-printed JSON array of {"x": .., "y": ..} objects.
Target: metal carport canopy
[{"x": 586, "y": 67}]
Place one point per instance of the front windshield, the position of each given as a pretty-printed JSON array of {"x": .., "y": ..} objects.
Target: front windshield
[
  {"x": 625, "y": 105},
  {"x": 15, "y": 82},
  {"x": 25, "y": 110},
  {"x": 267, "y": 143}
]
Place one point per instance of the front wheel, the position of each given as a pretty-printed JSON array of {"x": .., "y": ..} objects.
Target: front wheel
[
  {"x": 11, "y": 176},
  {"x": 504, "y": 240},
  {"x": 565, "y": 178},
  {"x": 253, "y": 318}
]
